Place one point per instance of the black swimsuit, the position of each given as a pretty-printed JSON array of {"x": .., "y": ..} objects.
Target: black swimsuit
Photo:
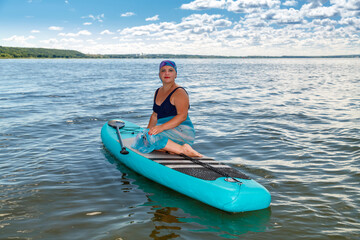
[{"x": 166, "y": 109}]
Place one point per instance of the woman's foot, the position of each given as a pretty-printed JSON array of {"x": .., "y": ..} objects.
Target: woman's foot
[
  {"x": 186, "y": 149},
  {"x": 189, "y": 151}
]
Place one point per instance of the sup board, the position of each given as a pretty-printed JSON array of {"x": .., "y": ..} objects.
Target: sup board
[{"x": 205, "y": 179}]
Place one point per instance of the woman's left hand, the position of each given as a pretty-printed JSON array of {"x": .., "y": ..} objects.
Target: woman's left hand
[{"x": 156, "y": 130}]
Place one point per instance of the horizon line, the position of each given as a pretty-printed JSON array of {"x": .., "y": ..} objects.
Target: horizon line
[{"x": 156, "y": 55}]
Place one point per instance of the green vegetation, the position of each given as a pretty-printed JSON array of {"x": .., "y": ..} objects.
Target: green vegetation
[{"x": 17, "y": 52}]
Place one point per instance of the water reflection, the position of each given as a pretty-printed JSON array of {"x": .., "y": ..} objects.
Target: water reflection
[
  {"x": 162, "y": 217},
  {"x": 172, "y": 212}
]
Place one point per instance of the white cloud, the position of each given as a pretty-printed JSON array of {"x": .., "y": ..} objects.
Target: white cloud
[
  {"x": 256, "y": 21},
  {"x": 128, "y": 14},
  {"x": 310, "y": 11},
  {"x": 154, "y": 18},
  {"x": 323, "y": 22},
  {"x": 49, "y": 41},
  {"x": 80, "y": 33},
  {"x": 193, "y": 28},
  {"x": 144, "y": 30},
  {"x": 71, "y": 40},
  {"x": 35, "y": 31},
  {"x": 19, "y": 39},
  {"x": 254, "y": 27},
  {"x": 55, "y": 28},
  {"x": 204, "y": 4},
  {"x": 253, "y": 34},
  {"x": 248, "y": 6},
  {"x": 91, "y": 41},
  {"x": 231, "y": 5},
  {"x": 84, "y": 32},
  {"x": 64, "y": 43},
  {"x": 290, "y": 3},
  {"x": 222, "y": 23},
  {"x": 99, "y": 18},
  {"x": 203, "y": 20},
  {"x": 354, "y": 22},
  {"x": 313, "y": 9},
  {"x": 284, "y": 16},
  {"x": 106, "y": 32}
]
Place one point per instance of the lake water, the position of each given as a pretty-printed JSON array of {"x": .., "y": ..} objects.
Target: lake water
[{"x": 293, "y": 125}]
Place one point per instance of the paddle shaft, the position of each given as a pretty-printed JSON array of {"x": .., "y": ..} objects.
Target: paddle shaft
[{"x": 123, "y": 149}]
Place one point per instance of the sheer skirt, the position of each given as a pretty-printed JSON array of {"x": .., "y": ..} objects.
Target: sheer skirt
[{"x": 184, "y": 133}]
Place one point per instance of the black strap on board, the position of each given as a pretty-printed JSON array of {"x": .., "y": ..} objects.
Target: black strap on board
[{"x": 208, "y": 166}]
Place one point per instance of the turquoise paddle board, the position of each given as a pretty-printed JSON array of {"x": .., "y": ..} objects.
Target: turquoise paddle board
[{"x": 205, "y": 179}]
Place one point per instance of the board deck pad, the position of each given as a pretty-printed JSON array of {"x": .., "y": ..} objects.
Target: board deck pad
[{"x": 188, "y": 167}]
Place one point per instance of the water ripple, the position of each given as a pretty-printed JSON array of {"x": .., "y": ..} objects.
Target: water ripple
[{"x": 292, "y": 125}]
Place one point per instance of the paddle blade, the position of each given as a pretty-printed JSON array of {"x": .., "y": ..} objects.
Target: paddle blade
[{"x": 116, "y": 124}]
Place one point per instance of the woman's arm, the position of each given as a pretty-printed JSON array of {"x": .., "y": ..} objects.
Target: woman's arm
[{"x": 152, "y": 120}]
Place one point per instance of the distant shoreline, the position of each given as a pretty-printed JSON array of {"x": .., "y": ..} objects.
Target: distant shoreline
[{"x": 48, "y": 53}]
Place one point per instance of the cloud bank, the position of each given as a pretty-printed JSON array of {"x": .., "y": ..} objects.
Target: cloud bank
[{"x": 234, "y": 28}]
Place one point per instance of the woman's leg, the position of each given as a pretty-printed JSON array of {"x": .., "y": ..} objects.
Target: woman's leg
[{"x": 178, "y": 149}]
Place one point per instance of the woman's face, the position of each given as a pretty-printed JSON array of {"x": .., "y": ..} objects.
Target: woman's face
[{"x": 167, "y": 74}]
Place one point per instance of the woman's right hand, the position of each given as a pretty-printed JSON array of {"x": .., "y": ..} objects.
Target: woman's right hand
[{"x": 156, "y": 130}]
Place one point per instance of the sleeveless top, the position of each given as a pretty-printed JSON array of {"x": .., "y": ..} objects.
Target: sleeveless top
[{"x": 166, "y": 109}]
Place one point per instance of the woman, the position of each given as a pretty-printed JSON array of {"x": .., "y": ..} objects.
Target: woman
[{"x": 170, "y": 128}]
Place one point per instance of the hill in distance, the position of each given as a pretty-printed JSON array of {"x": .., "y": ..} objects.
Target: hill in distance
[{"x": 19, "y": 52}]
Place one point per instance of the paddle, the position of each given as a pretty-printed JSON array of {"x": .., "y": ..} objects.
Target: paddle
[
  {"x": 208, "y": 166},
  {"x": 117, "y": 124}
]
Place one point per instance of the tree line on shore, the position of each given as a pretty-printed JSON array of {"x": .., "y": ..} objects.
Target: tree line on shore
[{"x": 19, "y": 52}]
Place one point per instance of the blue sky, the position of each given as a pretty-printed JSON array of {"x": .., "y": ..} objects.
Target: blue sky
[{"x": 206, "y": 27}]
